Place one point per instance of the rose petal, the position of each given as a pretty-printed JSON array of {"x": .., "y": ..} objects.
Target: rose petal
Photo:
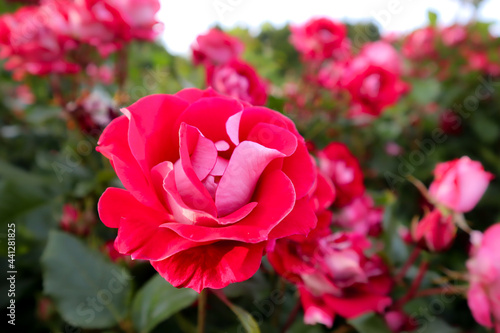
[
  {"x": 274, "y": 137},
  {"x": 213, "y": 266},
  {"x": 275, "y": 197},
  {"x": 238, "y": 183}
]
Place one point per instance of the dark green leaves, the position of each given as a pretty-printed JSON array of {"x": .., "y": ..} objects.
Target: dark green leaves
[{"x": 89, "y": 291}]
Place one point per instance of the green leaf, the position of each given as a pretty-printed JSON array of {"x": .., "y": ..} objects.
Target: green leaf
[
  {"x": 433, "y": 17},
  {"x": 157, "y": 301},
  {"x": 246, "y": 319},
  {"x": 370, "y": 323},
  {"x": 425, "y": 91},
  {"x": 485, "y": 129},
  {"x": 89, "y": 291}
]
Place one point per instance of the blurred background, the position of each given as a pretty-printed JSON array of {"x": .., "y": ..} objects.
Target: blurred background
[{"x": 67, "y": 67}]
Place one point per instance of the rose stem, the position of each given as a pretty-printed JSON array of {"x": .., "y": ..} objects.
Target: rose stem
[
  {"x": 414, "y": 286},
  {"x": 447, "y": 290},
  {"x": 202, "y": 310},
  {"x": 413, "y": 256},
  {"x": 291, "y": 318}
]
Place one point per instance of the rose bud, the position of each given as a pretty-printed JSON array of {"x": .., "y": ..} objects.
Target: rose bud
[
  {"x": 484, "y": 273},
  {"x": 434, "y": 232},
  {"x": 75, "y": 221},
  {"x": 459, "y": 184}
]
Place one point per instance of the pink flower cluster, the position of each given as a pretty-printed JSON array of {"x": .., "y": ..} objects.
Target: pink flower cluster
[
  {"x": 52, "y": 37},
  {"x": 333, "y": 271},
  {"x": 371, "y": 78},
  {"x": 219, "y": 53},
  {"x": 430, "y": 48}
]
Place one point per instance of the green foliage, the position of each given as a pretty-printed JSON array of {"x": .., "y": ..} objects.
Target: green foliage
[
  {"x": 89, "y": 291},
  {"x": 158, "y": 300}
]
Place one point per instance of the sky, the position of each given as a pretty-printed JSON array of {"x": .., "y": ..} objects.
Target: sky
[{"x": 185, "y": 19}]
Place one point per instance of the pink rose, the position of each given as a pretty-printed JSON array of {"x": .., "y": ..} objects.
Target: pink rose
[
  {"x": 239, "y": 80},
  {"x": 209, "y": 180},
  {"x": 383, "y": 54},
  {"x": 420, "y": 44},
  {"x": 139, "y": 15},
  {"x": 31, "y": 46},
  {"x": 459, "y": 184},
  {"x": 454, "y": 35},
  {"x": 484, "y": 273},
  {"x": 434, "y": 232},
  {"x": 216, "y": 48},
  {"x": 338, "y": 164},
  {"x": 321, "y": 39}
]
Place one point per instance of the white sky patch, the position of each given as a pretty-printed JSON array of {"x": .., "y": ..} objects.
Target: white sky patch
[{"x": 185, "y": 19}]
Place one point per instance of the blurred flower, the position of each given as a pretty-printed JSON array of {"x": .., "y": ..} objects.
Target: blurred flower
[
  {"x": 454, "y": 35},
  {"x": 24, "y": 95},
  {"x": 76, "y": 222},
  {"x": 484, "y": 273},
  {"x": 321, "y": 39},
  {"x": 343, "y": 169},
  {"x": 239, "y": 80},
  {"x": 398, "y": 321},
  {"x": 361, "y": 216},
  {"x": 384, "y": 55},
  {"x": 434, "y": 232},
  {"x": 109, "y": 249},
  {"x": 393, "y": 149},
  {"x": 93, "y": 112},
  {"x": 45, "y": 309},
  {"x": 216, "y": 48},
  {"x": 459, "y": 184},
  {"x": 333, "y": 275},
  {"x": 420, "y": 44},
  {"x": 102, "y": 74},
  {"x": 31, "y": 46},
  {"x": 450, "y": 123},
  {"x": 372, "y": 87}
]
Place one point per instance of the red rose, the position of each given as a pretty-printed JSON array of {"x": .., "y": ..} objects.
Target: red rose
[
  {"x": 239, "y": 80},
  {"x": 338, "y": 164},
  {"x": 209, "y": 181},
  {"x": 321, "y": 39},
  {"x": 216, "y": 48},
  {"x": 333, "y": 275},
  {"x": 371, "y": 86}
]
